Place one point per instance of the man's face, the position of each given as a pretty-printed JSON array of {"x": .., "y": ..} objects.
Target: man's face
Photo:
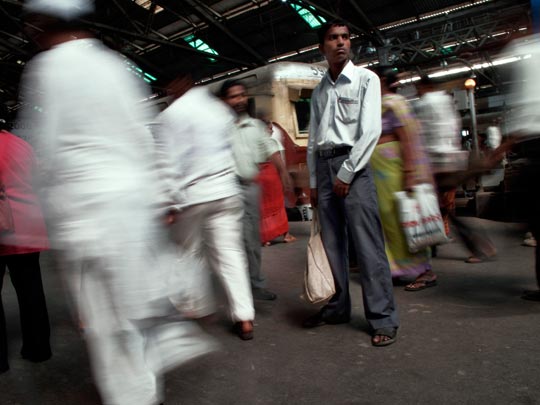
[
  {"x": 237, "y": 99},
  {"x": 337, "y": 45}
]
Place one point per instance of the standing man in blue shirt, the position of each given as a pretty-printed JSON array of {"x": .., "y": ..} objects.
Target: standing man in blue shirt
[{"x": 344, "y": 129}]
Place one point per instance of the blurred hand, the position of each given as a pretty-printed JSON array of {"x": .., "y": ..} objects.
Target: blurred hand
[
  {"x": 313, "y": 197},
  {"x": 408, "y": 183},
  {"x": 341, "y": 189},
  {"x": 498, "y": 154},
  {"x": 287, "y": 183},
  {"x": 170, "y": 218}
]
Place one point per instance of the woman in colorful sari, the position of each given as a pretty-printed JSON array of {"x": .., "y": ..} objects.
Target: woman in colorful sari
[{"x": 399, "y": 163}]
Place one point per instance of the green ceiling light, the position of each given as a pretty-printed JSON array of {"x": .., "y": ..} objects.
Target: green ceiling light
[
  {"x": 200, "y": 45},
  {"x": 137, "y": 71},
  {"x": 447, "y": 50},
  {"x": 148, "y": 75},
  {"x": 308, "y": 14}
]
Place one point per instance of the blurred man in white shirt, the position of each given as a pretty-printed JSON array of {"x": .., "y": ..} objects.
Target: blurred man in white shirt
[
  {"x": 206, "y": 191},
  {"x": 102, "y": 200}
]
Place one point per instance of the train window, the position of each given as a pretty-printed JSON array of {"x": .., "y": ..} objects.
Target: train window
[{"x": 301, "y": 107}]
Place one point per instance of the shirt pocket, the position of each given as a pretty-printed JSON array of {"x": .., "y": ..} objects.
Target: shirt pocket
[{"x": 348, "y": 109}]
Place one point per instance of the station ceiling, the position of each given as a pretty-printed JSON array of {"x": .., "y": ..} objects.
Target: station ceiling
[{"x": 212, "y": 38}]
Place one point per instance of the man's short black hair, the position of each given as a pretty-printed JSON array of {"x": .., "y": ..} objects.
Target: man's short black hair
[
  {"x": 321, "y": 33},
  {"x": 227, "y": 84}
]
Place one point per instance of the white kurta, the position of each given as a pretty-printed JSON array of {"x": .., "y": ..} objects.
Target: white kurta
[
  {"x": 196, "y": 130},
  {"x": 102, "y": 197}
]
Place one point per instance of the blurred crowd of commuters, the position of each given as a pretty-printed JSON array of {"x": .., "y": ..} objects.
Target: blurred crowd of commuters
[{"x": 138, "y": 213}]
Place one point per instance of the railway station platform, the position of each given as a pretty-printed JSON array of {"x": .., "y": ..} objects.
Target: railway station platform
[{"x": 469, "y": 340}]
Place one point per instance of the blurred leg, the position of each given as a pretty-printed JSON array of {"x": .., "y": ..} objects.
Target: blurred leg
[
  {"x": 252, "y": 236},
  {"x": 115, "y": 344},
  {"x": 223, "y": 240},
  {"x": 25, "y": 275},
  {"x": 3, "y": 332},
  {"x": 190, "y": 279},
  {"x": 365, "y": 225}
]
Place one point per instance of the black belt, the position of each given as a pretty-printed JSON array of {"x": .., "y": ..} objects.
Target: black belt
[{"x": 330, "y": 153}]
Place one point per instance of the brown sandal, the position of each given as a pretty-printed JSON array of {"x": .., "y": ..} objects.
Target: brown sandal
[{"x": 421, "y": 283}]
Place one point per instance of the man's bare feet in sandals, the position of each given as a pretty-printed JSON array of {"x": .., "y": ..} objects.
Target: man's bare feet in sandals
[
  {"x": 384, "y": 337},
  {"x": 423, "y": 281}
]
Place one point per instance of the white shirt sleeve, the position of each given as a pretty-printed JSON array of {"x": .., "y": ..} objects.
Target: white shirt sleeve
[{"x": 169, "y": 159}]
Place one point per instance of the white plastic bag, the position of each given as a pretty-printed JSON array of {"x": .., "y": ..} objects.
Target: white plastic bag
[
  {"x": 420, "y": 217},
  {"x": 318, "y": 279}
]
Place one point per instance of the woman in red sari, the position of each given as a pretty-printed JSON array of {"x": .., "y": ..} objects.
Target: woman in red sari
[{"x": 274, "y": 222}]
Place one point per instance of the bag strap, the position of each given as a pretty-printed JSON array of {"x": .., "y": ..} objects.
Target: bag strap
[{"x": 315, "y": 225}]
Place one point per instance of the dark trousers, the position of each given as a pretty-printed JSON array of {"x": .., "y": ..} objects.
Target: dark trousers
[
  {"x": 251, "y": 196},
  {"x": 526, "y": 181},
  {"x": 25, "y": 275},
  {"x": 358, "y": 214}
]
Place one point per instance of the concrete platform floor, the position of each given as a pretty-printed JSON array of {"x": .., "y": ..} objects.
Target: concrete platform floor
[{"x": 470, "y": 340}]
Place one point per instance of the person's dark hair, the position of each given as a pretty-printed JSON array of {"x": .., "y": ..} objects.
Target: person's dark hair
[
  {"x": 227, "y": 84},
  {"x": 390, "y": 77},
  {"x": 321, "y": 32}
]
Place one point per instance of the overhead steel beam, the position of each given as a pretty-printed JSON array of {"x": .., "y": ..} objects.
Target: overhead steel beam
[
  {"x": 337, "y": 17},
  {"x": 127, "y": 16},
  {"x": 449, "y": 44},
  {"x": 375, "y": 32},
  {"x": 176, "y": 14},
  {"x": 200, "y": 9},
  {"x": 150, "y": 19},
  {"x": 14, "y": 48},
  {"x": 16, "y": 22},
  {"x": 185, "y": 48}
]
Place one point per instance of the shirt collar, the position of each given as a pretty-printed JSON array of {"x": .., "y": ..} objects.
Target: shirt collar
[
  {"x": 347, "y": 73},
  {"x": 244, "y": 120}
]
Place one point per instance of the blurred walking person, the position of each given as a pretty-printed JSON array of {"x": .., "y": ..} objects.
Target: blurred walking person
[
  {"x": 525, "y": 128},
  {"x": 209, "y": 226},
  {"x": 20, "y": 248},
  {"x": 102, "y": 198},
  {"x": 399, "y": 162},
  {"x": 441, "y": 136}
]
